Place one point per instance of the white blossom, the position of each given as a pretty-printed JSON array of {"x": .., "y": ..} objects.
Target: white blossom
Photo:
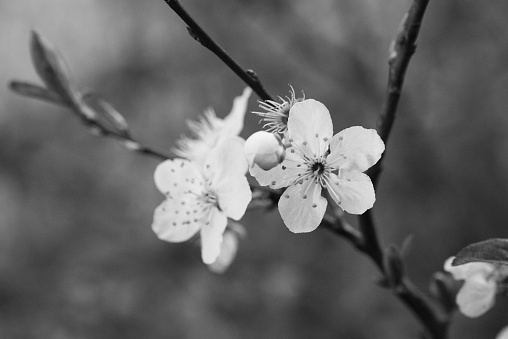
[
  {"x": 316, "y": 159},
  {"x": 478, "y": 294},
  {"x": 201, "y": 198}
]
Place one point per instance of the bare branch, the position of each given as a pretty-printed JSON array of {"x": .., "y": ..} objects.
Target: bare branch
[{"x": 198, "y": 34}]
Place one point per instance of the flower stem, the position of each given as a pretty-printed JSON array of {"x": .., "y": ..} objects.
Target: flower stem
[{"x": 198, "y": 34}]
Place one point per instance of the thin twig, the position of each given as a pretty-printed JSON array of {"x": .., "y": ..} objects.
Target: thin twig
[
  {"x": 198, "y": 34},
  {"x": 401, "y": 51}
]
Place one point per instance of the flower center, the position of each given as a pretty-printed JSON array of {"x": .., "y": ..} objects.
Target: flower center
[
  {"x": 210, "y": 198},
  {"x": 317, "y": 168}
]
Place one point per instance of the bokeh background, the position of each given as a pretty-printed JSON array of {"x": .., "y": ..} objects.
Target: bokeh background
[{"x": 77, "y": 256}]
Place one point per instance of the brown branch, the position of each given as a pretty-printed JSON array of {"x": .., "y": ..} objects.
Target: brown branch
[{"x": 198, "y": 34}]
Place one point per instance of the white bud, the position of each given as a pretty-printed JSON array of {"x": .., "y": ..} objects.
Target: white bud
[{"x": 264, "y": 149}]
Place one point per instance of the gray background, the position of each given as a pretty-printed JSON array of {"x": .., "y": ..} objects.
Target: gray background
[{"x": 77, "y": 256}]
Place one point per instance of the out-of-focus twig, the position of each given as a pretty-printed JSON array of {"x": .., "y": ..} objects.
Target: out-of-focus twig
[
  {"x": 198, "y": 34},
  {"x": 97, "y": 115}
]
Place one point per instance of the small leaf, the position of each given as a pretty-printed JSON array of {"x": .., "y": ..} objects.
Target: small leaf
[
  {"x": 393, "y": 265},
  {"x": 36, "y": 91},
  {"x": 50, "y": 67},
  {"x": 406, "y": 246},
  {"x": 494, "y": 251},
  {"x": 107, "y": 113}
]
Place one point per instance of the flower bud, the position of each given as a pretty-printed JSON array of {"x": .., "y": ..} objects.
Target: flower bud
[{"x": 264, "y": 149}]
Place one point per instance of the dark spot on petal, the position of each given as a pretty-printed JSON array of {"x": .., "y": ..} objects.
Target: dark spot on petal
[
  {"x": 305, "y": 196},
  {"x": 273, "y": 182},
  {"x": 292, "y": 151},
  {"x": 286, "y": 196},
  {"x": 305, "y": 143},
  {"x": 283, "y": 167},
  {"x": 314, "y": 205}
]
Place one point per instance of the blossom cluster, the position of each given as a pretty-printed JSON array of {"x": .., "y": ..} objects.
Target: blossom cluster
[{"x": 298, "y": 151}]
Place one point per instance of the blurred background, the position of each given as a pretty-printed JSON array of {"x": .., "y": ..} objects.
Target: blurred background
[{"x": 78, "y": 258}]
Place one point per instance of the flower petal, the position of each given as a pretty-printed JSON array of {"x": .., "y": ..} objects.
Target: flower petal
[
  {"x": 352, "y": 191},
  {"x": 355, "y": 148},
  {"x": 302, "y": 214},
  {"x": 210, "y": 129},
  {"x": 228, "y": 250},
  {"x": 175, "y": 222},
  {"x": 211, "y": 235},
  {"x": 174, "y": 176},
  {"x": 226, "y": 159},
  {"x": 309, "y": 121},
  {"x": 233, "y": 123},
  {"x": 234, "y": 196},
  {"x": 503, "y": 334},
  {"x": 476, "y": 296},
  {"x": 282, "y": 175}
]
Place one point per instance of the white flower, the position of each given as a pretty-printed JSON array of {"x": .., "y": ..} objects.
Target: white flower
[
  {"x": 264, "y": 149},
  {"x": 503, "y": 334},
  {"x": 210, "y": 129},
  {"x": 201, "y": 198},
  {"x": 478, "y": 294},
  {"x": 312, "y": 158},
  {"x": 276, "y": 113}
]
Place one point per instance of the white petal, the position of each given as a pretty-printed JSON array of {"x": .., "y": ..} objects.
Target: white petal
[
  {"x": 226, "y": 159},
  {"x": 173, "y": 176},
  {"x": 355, "y": 148},
  {"x": 205, "y": 132},
  {"x": 283, "y": 174},
  {"x": 476, "y": 296},
  {"x": 234, "y": 196},
  {"x": 175, "y": 222},
  {"x": 352, "y": 191},
  {"x": 462, "y": 272},
  {"x": 309, "y": 121},
  {"x": 233, "y": 123},
  {"x": 503, "y": 334},
  {"x": 210, "y": 129},
  {"x": 302, "y": 215},
  {"x": 211, "y": 235},
  {"x": 228, "y": 250}
]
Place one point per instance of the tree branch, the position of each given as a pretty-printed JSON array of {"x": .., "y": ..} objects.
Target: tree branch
[
  {"x": 401, "y": 50},
  {"x": 198, "y": 34}
]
